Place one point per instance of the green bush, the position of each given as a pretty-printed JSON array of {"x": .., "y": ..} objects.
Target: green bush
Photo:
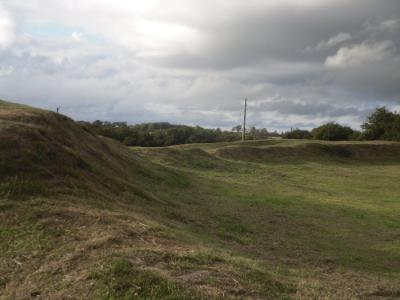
[
  {"x": 297, "y": 134},
  {"x": 332, "y": 132}
]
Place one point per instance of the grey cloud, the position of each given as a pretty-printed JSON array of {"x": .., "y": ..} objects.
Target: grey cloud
[
  {"x": 286, "y": 107},
  {"x": 259, "y": 34},
  {"x": 233, "y": 50},
  {"x": 370, "y": 69},
  {"x": 332, "y": 42}
]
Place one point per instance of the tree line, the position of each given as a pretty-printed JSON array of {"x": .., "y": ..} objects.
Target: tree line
[
  {"x": 165, "y": 134},
  {"x": 158, "y": 134},
  {"x": 382, "y": 124}
]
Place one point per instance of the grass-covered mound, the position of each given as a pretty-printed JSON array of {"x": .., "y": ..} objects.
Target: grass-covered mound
[
  {"x": 367, "y": 152},
  {"x": 44, "y": 152},
  {"x": 84, "y": 217}
]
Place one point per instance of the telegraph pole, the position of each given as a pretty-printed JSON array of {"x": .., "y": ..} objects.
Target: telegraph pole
[{"x": 244, "y": 121}]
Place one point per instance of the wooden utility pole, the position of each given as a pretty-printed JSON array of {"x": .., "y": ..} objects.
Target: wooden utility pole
[{"x": 244, "y": 121}]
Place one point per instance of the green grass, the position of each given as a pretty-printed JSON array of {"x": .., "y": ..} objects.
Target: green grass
[
  {"x": 272, "y": 219},
  {"x": 120, "y": 279},
  {"x": 17, "y": 188},
  {"x": 221, "y": 270},
  {"x": 345, "y": 212},
  {"x": 23, "y": 239}
]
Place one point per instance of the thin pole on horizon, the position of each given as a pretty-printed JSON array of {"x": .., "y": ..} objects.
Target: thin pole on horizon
[{"x": 244, "y": 121}]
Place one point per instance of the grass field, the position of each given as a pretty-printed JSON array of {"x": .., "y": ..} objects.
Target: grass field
[{"x": 272, "y": 219}]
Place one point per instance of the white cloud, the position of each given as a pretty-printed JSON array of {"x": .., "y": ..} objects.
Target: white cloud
[
  {"x": 77, "y": 36},
  {"x": 6, "y": 28},
  {"x": 334, "y": 41},
  {"x": 6, "y": 70},
  {"x": 390, "y": 25},
  {"x": 370, "y": 69},
  {"x": 365, "y": 53}
]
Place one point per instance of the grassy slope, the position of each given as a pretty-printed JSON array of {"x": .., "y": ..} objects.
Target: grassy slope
[
  {"x": 331, "y": 219},
  {"x": 264, "y": 219}
]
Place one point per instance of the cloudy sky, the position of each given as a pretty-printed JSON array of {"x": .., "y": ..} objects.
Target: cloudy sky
[{"x": 300, "y": 62}]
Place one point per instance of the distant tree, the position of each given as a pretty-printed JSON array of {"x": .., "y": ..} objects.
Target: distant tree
[
  {"x": 394, "y": 133},
  {"x": 274, "y": 134},
  {"x": 97, "y": 123},
  {"x": 157, "y": 134},
  {"x": 297, "y": 134},
  {"x": 237, "y": 128},
  {"x": 357, "y": 136},
  {"x": 130, "y": 141},
  {"x": 382, "y": 125},
  {"x": 263, "y": 133},
  {"x": 332, "y": 132},
  {"x": 253, "y": 133}
]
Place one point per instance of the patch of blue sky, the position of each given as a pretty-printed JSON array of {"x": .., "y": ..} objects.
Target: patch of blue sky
[{"x": 57, "y": 30}]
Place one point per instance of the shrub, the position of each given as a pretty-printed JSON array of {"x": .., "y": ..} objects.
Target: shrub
[
  {"x": 332, "y": 132},
  {"x": 297, "y": 134}
]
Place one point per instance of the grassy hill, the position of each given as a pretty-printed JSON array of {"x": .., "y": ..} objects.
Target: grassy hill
[{"x": 82, "y": 216}]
